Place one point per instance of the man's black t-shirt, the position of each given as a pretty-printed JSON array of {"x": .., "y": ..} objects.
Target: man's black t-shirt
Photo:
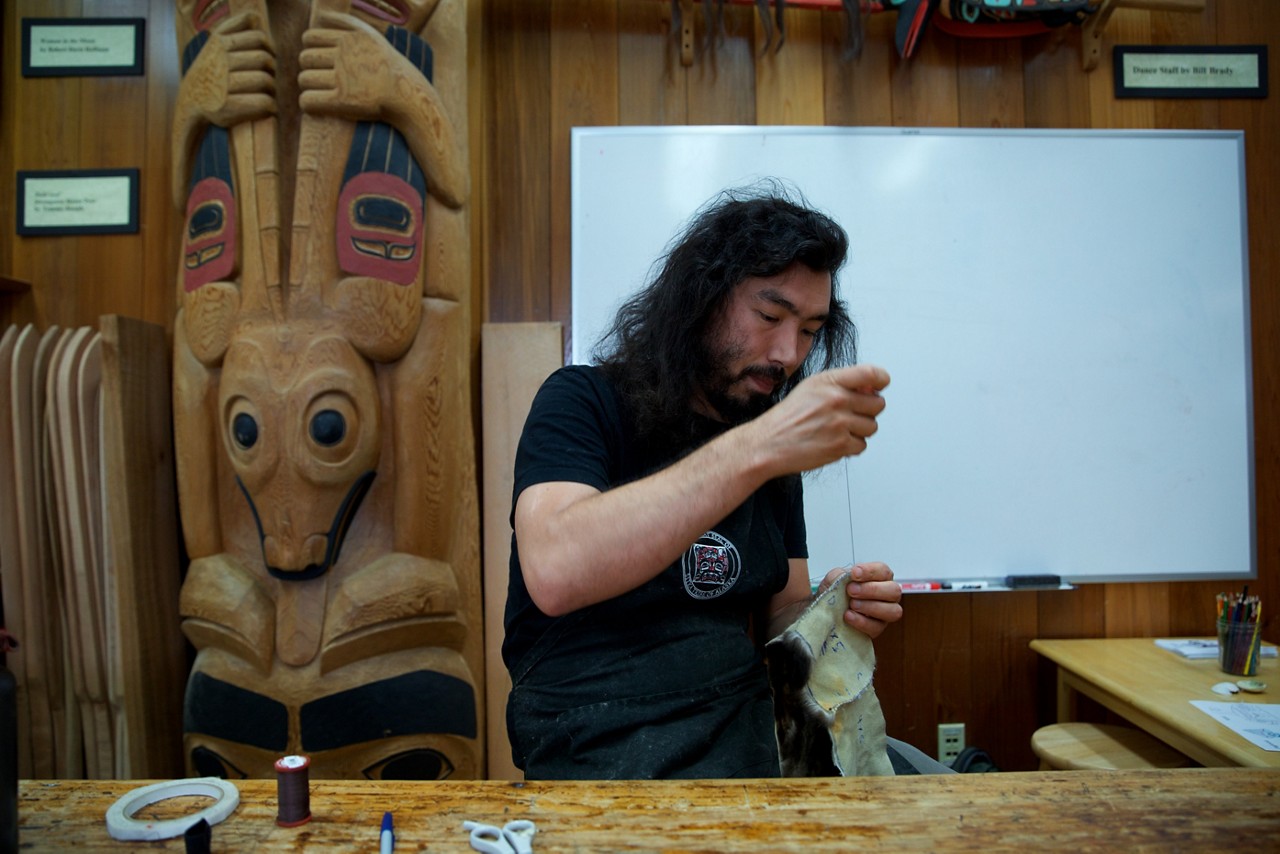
[{"x": 665, "y": 680}]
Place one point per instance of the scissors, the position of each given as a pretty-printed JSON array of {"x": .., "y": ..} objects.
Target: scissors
[{"x": 514, "y": 837}]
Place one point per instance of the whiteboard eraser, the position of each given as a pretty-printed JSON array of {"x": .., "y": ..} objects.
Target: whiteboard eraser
[{"x": 1018, "y": 582}]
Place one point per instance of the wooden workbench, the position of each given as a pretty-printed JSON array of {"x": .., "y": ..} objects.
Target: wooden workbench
[{"x": 1078, "y": 811}]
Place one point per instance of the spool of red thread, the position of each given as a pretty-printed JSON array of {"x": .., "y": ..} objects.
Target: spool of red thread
[{"x": 293, "y": 791}]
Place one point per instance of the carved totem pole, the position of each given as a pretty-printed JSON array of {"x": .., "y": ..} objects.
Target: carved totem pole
[{"x": 321, "y": 389}]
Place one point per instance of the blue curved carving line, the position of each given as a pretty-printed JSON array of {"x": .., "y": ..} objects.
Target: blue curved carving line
[
  {"x": 333, "y": 540},
  {"x": 342, "y": 520}
]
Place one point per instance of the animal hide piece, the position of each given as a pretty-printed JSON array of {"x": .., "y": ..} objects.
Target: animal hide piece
[{"x": 827, "y": 716}]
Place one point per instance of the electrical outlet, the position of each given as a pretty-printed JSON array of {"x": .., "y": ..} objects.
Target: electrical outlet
[{"x": 950, "y": 742}]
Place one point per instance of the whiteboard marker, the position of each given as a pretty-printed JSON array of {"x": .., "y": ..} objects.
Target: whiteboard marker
[
  {"x": 964, "y": 585},
  {"x": 920, "y": 585}
]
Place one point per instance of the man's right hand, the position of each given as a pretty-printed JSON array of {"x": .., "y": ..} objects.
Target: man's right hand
[{"x": 825, "y": 418}]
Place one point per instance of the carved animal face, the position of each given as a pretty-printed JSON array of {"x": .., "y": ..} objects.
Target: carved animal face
[
  {"x": 379, "y": 227},
  {"x": 300, "y": 423},
  {"x": 209, "y": 250}
]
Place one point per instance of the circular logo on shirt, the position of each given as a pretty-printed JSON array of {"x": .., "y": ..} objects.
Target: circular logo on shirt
[{"x": 711, "y": 566}]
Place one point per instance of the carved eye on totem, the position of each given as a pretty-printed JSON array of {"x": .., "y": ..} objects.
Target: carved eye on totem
[
  {"x": 244, "y": 430},
  {"x": 244, "y": 427},
  {"x": 383, "y": 228},
  {"x": 328, "y": 427},
  {"x": 420, "y": 763},
  {"x": 208, "y": 763},
  {"x": 206, "y": 219},
  {"x": 331, "y": 423}
]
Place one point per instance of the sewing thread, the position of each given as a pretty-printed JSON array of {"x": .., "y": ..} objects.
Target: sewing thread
[{"x": 293, "y": 791}]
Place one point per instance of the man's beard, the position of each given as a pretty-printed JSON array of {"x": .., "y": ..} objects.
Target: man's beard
[{"x": 716, "y": 382}]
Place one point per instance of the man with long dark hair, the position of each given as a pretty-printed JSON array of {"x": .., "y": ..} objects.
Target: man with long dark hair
[{"x": 658, "y": 512}]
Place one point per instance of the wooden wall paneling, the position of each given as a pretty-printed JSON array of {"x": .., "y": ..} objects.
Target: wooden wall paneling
[
  {"x": 721, "y": 83},
  {"x": 517, "y": 208},
  {"x": 1003, "y": 677},
  {"x": 789, "y": 74},
  {"x": 936, "y": 660},
  {"x": 1127, "y": 26},
  {"x": 1193, "y": 608},
  {"x": 45, "y": 135},
  {"x": 10, "y": 63},
  {"x": 1182, "y": 28},
  {"x": 856, "y": 91},
  {"x": 989, "y": 83},
  {"x": 1056, "y": 92},
  {"x": 652, "y": 84},
  {"x": 1258, "y": 22},
  {"x": 584, "y": 91},
  {"x": 1137, "y": 609},
  {"x": 924, "y": 87},
  {"x": 891, "y": 682},
  {"x": 1078, "y": 613},
  {"x": 16, "y": 306},
  {"x": 111, "y": 270},
  {"x": 162, "y": 230}
]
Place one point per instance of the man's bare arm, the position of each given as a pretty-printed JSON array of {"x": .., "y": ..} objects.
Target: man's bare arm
[{"x": 579, "y": 546}]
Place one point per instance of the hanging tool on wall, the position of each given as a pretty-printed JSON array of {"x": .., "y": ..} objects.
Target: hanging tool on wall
[{"x": 958, "y": 18}]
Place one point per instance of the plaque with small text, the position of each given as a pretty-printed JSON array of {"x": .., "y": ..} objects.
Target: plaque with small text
[
  {"x": 1146, "y": 71},
  {"x": 77, "y": 201},
  {"x": 82, "y": 47}
]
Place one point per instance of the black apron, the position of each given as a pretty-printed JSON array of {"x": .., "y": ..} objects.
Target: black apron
[{"x": 664, "y": 681}]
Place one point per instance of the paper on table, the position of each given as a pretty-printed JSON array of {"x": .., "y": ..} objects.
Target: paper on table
[
  {"x": 1258, "y": 722},
  {"x": 1202, "y": 647}
]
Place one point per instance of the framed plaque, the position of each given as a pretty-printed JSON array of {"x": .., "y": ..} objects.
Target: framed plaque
[
  {"x": 82, "y": 47},
  {"x": 1229, "y": 71},
  {"x": 78, "y": 201}
]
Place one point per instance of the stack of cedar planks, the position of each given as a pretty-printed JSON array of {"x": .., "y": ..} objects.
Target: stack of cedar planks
[{"x": 89, "y": 559}]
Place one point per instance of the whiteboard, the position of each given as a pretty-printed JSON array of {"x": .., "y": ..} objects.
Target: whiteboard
[{"x": 1064, "y": 314}]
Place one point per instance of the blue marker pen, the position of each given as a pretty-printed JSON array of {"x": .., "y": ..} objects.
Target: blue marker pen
[{"x": 388, "y": 836}]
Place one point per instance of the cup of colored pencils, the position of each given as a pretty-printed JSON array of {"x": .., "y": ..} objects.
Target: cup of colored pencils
[{"x": 1239, "y": 633}]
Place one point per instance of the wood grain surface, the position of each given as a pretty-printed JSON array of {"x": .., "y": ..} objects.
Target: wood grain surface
[
  {"x": 1153, "y": 689},
  {"x": 141, "y": 554},
  {"x": 1185, "y": 809},
  {"x": 515, "y": 359}
]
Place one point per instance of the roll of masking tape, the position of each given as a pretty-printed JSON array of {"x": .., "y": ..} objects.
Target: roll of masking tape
[{"x": 122, "y": 825}]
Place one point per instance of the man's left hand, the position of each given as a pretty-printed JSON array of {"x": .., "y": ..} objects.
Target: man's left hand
[{"x": 874, "y": 597}]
